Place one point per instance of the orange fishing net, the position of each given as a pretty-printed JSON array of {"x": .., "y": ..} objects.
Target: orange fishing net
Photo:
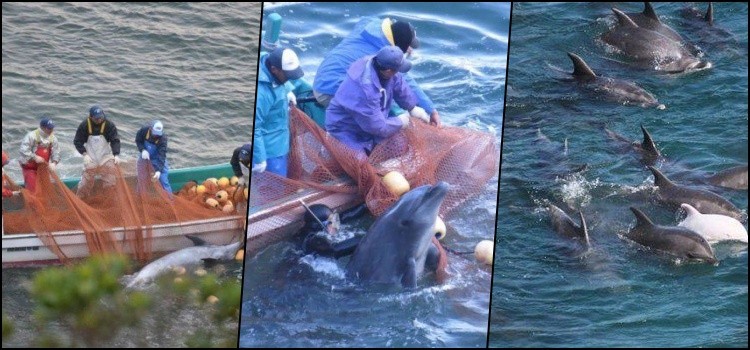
[
  {"x": 116, "y": 213},
  {"x": 424, "y": 154}
]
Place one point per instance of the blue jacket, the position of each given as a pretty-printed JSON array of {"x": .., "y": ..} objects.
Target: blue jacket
[
  {"x": 358, "y": 113},
  {"x": 159, "y": 159},
  {"x": 271, "y": 116},
  {"x": 366, "y": 39}
]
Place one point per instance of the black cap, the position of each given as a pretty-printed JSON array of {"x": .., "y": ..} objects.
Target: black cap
[{"x": 404, "y": 35}]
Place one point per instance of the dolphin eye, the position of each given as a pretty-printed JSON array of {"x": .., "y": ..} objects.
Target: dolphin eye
[{"x": 406, "y": 222}]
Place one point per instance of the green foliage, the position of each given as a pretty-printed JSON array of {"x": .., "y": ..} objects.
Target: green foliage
[
  {"x": 86, "y": 305},
  {"x": 7, "y": 328},
  {"x": 87, "y": 300}
]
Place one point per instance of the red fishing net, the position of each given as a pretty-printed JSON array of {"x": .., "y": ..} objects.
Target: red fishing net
[
  {"x": 424, "y": 154},
  {"x": 117, "y": 213}
]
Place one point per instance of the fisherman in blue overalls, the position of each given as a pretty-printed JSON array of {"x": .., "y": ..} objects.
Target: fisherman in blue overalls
[{"x": 152, "y": 143}]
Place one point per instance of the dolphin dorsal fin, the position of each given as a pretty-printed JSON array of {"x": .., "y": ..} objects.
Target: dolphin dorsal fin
[
  {"x": 623, "y": 19},
  {"x": 649, "y": 12},
  {"x": 641, "y": 218},
  {"x": 580, "y": 68},
  {"x": 196, "y": 241},
  {"x": 584, "y": 229},
  {"x": 710, "y": 14},
  {"x": 689, "y": 209},
  {"x": 648, "y": 143},
  {"x": 659, "y": 178}
]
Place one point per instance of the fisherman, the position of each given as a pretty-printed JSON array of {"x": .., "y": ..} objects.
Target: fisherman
[
  {"x": 271, "y": 140},
  {"x": 38, "y": 146},
  {"x": 321, "y": 228},
  {"x": 369, "y": 36},
  {"x": 152, "y": 143},
  {"x": 358, "y": 114},
  {"x": 97, "y": 141},
  {"x": 241, "y": 163}
]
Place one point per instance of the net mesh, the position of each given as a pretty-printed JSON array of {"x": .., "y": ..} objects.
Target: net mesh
[
  {"x": 423, "y": 153},
  {"x": 115, "y": 211}
]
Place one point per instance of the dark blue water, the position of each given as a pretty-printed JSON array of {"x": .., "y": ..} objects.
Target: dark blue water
[
  {"x": 545, "y": 293},
  {"x": 290, "y": 300},
  {"x": 190, "y": 65}
]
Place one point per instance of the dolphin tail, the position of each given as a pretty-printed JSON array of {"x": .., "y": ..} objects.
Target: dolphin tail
[
  {"x": 585, "y": 230},
  {"x": 623, "y": 19},
  {"x": 649, "y": 12},
  {"x": 580, "y": 68},
  {"x": 710, "y": 14},
  {"x": 648, "y": 143},
  {"x": 197, "y": 241},
  {"x": 641, "y": 218},
  {"x": 659, "y": 178}
]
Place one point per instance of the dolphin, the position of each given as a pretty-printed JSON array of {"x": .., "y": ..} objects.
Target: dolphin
[
  {"x": 713, "y": 228},
  {"x": 399, "y": 244},
  {"x": 649, "y": 49},
  {"x": 701, "y": 25},
  {"x": 674, "y": 240},
  {"x": 706, "y": 202},
  {"x": 617, "y": 90},
  {"x": 646, "y": 148},
  {"x": 565, "y": 226},
  {"x": 202, "y": 251},
  {"x": 735, "y": 177},
  {"x": 649, "y": 20}
]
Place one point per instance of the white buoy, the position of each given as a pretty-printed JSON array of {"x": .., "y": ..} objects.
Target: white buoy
[
  {"x": 440, "y": 229},
  {"x": 396, "y": 183},
  {"x": 484, "y": 251}
]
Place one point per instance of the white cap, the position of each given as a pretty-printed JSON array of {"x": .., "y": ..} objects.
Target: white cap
[{"x": 157, "y": 128}]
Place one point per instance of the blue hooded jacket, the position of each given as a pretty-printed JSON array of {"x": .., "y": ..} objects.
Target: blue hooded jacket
[
  {"x": 366, "y": 39},
  {"x": 358, "y": 113},
  {"x": 271, "y": 116}
]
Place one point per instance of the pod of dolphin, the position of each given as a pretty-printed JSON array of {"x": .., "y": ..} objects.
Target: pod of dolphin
[{"x": 648, "y": 43}]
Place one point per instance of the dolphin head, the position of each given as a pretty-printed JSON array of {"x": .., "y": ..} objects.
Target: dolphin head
[{"x": 418, "y": 208}]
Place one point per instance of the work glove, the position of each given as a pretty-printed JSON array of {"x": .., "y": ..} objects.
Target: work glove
[
  {"x": 291, "y": 98},
  {"x": 242, "y": 182},
  {"x": 419, "y": 112},
  {"x": 53, "y": 167},
  {"x": 117, "y": 160},
  {"x": 87, "y": 161},
  {"x": 404, "y": 118},
  {"x": 38, "y": 159},
  {"x": 144, "y": 155},
  {"x": 156, "y": 175},
  {"x": 260, "y": 167}
]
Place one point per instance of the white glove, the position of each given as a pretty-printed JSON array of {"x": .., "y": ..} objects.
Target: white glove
[
  {"x": 291, "y": 98},
  {"x": 260, "y": 167},
  {"x": 242, "y": 181},
  {"x": 38, "y": 159},
  {"x": 156, "y": 175},
  {"x": 419, "y": 112},
  {"x": 144, "y": 155},
  {"x": 117, "y": 160},
  {"x": 53, "y": 167},
  {"x": 87, "y": 161},
  {"x": 404, "y": 118}
]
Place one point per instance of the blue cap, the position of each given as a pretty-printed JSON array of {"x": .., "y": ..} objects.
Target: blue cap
[
  {"x": 391, "y": 57},
  {"x": 47, "y": 123},
  {"x": 245, "y": 152},
  {"x": 96, "y": 112},
  {"x": 286, "y": 60}
]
